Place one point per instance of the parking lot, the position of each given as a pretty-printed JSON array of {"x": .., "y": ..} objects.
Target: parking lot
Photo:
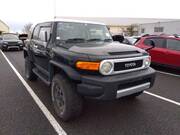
[{"x": 28, "y": 110}]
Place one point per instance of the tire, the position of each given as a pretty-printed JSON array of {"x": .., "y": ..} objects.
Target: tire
[
  {"x": 4, "y": 49},
  {"x": 67, "y": 103},
  {"x": 20, "y": 48},
  {"x": 28, "y": 70},
  {"x": 133, "y": 96}
]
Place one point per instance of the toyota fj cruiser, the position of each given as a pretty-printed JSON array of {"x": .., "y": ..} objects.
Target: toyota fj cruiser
[{"x": 79, "y": 59}]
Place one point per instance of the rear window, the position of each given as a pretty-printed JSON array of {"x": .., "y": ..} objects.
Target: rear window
[{"x": 173, "y": 44}]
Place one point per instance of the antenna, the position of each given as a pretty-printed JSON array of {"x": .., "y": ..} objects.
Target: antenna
[{"x": 54, "y": 7}]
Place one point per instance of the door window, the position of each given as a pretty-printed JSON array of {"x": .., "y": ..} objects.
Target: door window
[
  {"x": 173, "y": 44},
  {"x": 36, "y": 32},
  {"x": 159, "y": 42},
  {"x": 42, "y": 33}
]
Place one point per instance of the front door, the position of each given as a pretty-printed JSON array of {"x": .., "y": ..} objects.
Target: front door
[
  {"x": 159, "y": 53},
  {"x": 39, "y": 46}
]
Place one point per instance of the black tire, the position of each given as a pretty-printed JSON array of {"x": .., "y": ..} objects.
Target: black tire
[
  {"x": 28, "y": 70},
  {"x": 20, "y": 48},
  {"x": 133, "y": 96},
  {"x": 4, "y": 49},
  {"x": 67, "y": 103}
]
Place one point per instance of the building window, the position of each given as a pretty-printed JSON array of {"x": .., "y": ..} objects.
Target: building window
[
  {"x": 143, "y": 30},
  {"x": 158, "y": 29}
]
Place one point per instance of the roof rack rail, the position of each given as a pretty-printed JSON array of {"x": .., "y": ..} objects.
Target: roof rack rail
[
  {"x": 148, "y": 35},
  {"x": 176, "y": 35},
  {"x": 145, "y": 35}
]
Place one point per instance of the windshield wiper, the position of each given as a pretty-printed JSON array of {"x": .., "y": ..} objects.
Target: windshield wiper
[
  {"x": 108, "y": 40},
  {"x": 75, "y": 40},
  {"x": 94, "y": 39},
  {"x": 98, "y": 39}
]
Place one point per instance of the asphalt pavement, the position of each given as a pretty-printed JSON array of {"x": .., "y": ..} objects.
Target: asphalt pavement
[{"x": 146, "y": 115}]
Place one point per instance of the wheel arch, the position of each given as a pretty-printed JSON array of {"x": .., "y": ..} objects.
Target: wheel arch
[{"x": 56, "y": 67}]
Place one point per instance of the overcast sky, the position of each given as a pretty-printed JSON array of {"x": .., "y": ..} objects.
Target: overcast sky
[{"x": 16, "y": 13}]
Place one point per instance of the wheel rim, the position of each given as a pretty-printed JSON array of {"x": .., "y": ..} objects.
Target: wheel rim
[{"x": 59, "y": 98}]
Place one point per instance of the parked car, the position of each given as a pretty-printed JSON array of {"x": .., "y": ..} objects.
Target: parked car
[
  {"x": 166, "y": 51},
  {"x": 129, "y": 40},
  {"x": 79, "y": 59},
  {"x": 10, "y": 41},
  {"x": 117, "y": 37}
]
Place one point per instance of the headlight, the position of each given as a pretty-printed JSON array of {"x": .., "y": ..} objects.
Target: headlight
[
  {"x": 106, "y": 67},
  {"x": 19, "y": 42},
  {"x": 147, "y": 61},
  {"x": 5, "y": 42}
]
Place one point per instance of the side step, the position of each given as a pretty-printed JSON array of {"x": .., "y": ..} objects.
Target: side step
[{"x": 42, "y": 76}]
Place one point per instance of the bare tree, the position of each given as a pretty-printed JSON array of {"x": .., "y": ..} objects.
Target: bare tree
[
  {"x": 131, "y": 30},
  {"x": 27, "y": 28}
]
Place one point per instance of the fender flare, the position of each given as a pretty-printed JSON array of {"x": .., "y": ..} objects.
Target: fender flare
[
  {"x": 70, "y": 72},
  {"x": 27, "y": 52}
]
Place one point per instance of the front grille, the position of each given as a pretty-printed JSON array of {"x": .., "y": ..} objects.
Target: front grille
[
  {"x": 12, "y": 43},
  {"x": 120, "y": 66},
  {"x": 126, "y": 65},
  {"x": 133, "y": 83}
]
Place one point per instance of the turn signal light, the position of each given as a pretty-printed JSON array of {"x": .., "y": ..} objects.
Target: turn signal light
[{"x": 88, "y": 65}]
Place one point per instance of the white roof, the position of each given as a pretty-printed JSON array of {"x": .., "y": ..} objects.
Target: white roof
[
  {"x": 68, "y": 20},
  {"x": 77, "y": 21},
  {"x": 120, "y": 21}
]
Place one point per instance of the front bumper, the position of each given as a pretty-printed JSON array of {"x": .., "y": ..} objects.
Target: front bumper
[
  {"x": 116, "y": 86},
  {"x": 16, "y": 46}
]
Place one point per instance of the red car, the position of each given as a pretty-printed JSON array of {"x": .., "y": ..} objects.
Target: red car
[{"x": 166, "y": 51}]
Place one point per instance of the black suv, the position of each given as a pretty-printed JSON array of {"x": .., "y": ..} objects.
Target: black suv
[
  {"x": 10, "y": 41},
  {"x": 79, "y": 59}
]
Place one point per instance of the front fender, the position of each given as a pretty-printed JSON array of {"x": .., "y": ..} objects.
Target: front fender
[{"x": 69, "y": 71}]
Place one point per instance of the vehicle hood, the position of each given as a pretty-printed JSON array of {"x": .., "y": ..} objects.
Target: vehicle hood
[
  {"x": 11, "y": 40},
  {"x": 103, "y": 49}
]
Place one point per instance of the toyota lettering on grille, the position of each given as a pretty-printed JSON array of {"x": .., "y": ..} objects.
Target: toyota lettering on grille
[{"x": 128, "y": 65}]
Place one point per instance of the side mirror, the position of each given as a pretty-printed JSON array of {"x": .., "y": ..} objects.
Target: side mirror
[
  {"x": 152, "y": 44},
  {"x": 23, "y": 37},
  {"x": 118, "y": 38}
]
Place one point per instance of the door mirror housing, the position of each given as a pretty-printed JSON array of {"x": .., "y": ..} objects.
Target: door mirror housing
[
  {"x": 23, "y": 37},
  {"x": 152, "y": 44}
]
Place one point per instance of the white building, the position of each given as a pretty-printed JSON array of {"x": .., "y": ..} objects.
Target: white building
[
  {"x": 3, "y": 27},
  {"x": 169, "y": 27}
]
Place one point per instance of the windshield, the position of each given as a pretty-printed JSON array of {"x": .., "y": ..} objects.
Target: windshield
[
  {"x": 82, "y": 32},
  {"x": 10, "y": 37}
]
